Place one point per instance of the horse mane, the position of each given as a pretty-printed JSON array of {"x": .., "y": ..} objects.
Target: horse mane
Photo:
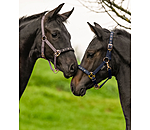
[
  {"x": 122, "y": 32},
  {"x": 23, "y": 21},
  {"x": 119, "y": 32},
  {"x": 125, "y": 51},
  {"x": 28, "y": 18}
]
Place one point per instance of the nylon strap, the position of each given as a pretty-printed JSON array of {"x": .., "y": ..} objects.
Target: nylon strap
[
  {"x": 99, "y": 67},
  {"x": 83, "y": 69}
]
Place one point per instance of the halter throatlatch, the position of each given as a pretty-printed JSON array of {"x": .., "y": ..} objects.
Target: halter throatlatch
[
  {"x": 106, "y": 60},
  {"x": 56, "y": 52}
]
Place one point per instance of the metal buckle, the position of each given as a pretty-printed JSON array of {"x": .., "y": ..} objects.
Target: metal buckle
[
  {"x": 108, "y": 67},
  {"x": 57, "y": 53},
  {"x": 110, "y": 47},
  {"x": 106, "y": 59},
  {"x": 91, "y": 75}
]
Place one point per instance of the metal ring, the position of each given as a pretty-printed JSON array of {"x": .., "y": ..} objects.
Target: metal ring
[
  {"x": 44, "y": 38},
  {"x": 96, "y": 88},
  {"x": 57, "y": 53},
  {"x": 106, "y": 59}
]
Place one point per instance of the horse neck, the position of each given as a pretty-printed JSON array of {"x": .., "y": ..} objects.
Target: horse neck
[
  {"x": 123, "y": 77},
  {"x": 28, "y": 53},
  {"x": 121, "y": 63},
  {"x": 27, "y": 36},
  {"x": 121, "y": 59},
  {"x": 122, "y": 72}
]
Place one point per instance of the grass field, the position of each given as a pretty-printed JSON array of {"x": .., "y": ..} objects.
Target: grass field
[{"x": 48, "y": 104}]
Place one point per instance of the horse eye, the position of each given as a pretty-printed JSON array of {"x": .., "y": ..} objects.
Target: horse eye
[
  {"x": 90, "y": 55},
  {"x": 54, "y": 35}
]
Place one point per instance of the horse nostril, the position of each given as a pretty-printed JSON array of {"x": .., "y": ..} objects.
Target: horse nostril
[
  {"x": 72, "y": 67},
  {"x": 82, "y": 91}
]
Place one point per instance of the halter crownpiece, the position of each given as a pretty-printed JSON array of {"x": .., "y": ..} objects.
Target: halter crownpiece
[
  {"x": 106, "y": 60},
  {"x": 56, "y": 52}
]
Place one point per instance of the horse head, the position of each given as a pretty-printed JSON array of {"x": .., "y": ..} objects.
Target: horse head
[
  {"x": 94, "y": 56},
  {"x": 57, "y": 34}
]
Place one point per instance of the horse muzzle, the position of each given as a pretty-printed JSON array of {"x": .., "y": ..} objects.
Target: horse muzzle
[
  {"x": 70, "y": 70},
  {"x": 77, "y": 90}
]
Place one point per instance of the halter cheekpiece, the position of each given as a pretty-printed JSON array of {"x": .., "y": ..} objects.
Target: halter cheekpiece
[
  {"x": 56, "y": 52},
  {"x": 106, "y": 60}
]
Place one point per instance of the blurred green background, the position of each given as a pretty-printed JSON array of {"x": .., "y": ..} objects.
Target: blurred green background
[{"x": 48, "y": 104}]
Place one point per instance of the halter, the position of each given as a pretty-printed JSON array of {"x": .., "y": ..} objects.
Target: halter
[
  {"x": 56, "y": 52},
  {"x": 106, "y": 60}
]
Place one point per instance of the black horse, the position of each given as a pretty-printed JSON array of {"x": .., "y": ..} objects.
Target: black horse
[
  {"x": 120, "y": 66},
  {"x": 34, "y": 32}
]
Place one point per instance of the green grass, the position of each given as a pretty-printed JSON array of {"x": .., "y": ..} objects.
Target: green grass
[{"x": 48, "y": 104}]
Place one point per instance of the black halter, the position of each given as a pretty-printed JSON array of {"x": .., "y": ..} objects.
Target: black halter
[{"x": 106, "y": 60}]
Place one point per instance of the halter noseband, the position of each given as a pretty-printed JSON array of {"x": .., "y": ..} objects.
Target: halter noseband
[
  {"x": 56, "y": 52},
  {"x": 106, "y": 60}
]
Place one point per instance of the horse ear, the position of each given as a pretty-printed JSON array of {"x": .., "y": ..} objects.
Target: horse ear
[
  {"x": 97, "y": 30},
  {"x": 91, "y": 27},
  {"x": 55, "y": 11},
  {"x": 97, "y": 25},
  {"x": 66, "y": 15}
]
